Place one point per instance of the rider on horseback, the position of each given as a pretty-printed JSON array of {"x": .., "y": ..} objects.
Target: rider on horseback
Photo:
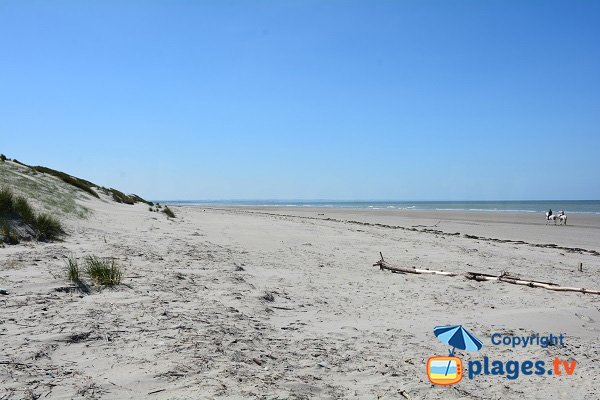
[{"x": 549, "y": 212}]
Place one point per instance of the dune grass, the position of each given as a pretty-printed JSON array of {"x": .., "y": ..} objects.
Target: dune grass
[
  {"x": 46, "y": 227},
  {"x": 23, "y": 209},
  {"x": 6, "y": 202},
  {"x": 43, "y": 191},
  {"x": 73, "y": 269},
  {"x": 103, "y": 271},
  {"x": 82, "y": 184},
  {"x": 120, "y": 197},
  {"x": 9, "y": 237}
]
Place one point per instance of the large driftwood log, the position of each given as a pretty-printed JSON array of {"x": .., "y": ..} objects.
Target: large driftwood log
[{"x": 477, "y": 276}]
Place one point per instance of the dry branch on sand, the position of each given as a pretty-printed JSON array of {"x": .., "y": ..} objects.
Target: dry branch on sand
[{"x": 477, "y": 276}]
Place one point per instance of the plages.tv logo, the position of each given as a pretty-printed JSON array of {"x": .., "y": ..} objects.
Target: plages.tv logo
[{"x": 448, "y": 370}]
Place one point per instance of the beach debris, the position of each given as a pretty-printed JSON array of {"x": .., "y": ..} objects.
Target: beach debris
[
  {"x": 4, "y": 292},
  {"x": 324, "y": 364},
  {"x": 257, "y": 361},
  {"x": 239, "y": 268},
  {"x": 78, "y": 337},
  {"x": 268, "y": 296},
  {"x": 580, "y": 267},
  {"x": 409, "y": 270},
  {"x": 480, "y": 277},
  {"x": 404, "y": 394}
]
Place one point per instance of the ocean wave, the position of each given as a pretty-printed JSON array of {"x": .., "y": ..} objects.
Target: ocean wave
[{"x": 570, "y": 207}]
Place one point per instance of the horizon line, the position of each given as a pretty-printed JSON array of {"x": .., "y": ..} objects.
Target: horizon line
[{"x": 365, "y": 200}]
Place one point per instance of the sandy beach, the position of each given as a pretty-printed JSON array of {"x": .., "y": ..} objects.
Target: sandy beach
[
  {"x": 264, "y": 302},
  {"x": 292, "y": 200}
]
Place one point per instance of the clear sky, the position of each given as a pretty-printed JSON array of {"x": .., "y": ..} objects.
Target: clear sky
[{"x": 404, "y": 100}]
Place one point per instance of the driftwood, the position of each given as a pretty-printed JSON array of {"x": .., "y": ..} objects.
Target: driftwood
[
  {"x": 477, "y": 276},
  {"x": 409, "y": 270}
]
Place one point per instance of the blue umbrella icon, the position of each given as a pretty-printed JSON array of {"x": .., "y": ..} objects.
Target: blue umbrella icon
[{"x": 457, "y": 337}]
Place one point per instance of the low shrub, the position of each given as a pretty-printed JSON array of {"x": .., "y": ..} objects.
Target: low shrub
[
  {"x": 2, "y": 157},
  {"x": 104, "y": 271}
]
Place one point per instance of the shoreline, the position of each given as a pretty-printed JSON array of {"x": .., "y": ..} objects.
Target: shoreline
[
  {"x": 400, "y": 206},
  {"x": 580, "y": 231}
]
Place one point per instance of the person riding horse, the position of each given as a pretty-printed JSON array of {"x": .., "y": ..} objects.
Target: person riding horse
[{"x": 549, "y": 212}]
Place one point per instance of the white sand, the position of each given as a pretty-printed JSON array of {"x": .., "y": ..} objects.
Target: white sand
[{"x": 191, "y": 324}]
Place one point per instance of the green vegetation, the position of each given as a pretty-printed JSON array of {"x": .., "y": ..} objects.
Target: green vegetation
[
  {"x": 120, "y": 197},
  {"x": 104, "y": 271},
  {"x": 82, "y": 184},
  {"x": 87, "y": 186},
  {"x": 56, "y": 197},
  {"x": 14, "y": 208},
  {"x": 43, "y": 191},
  {"x": 169, "y": 212},
  {"x": 9, "y": 237},
  {"x": 6, "y": 202},
  {"x": 73, "y": 269},
  {"x": 48, "y": 227},
  {"x": 2, "y": 157},
  {"x": 24, "y": 210}
]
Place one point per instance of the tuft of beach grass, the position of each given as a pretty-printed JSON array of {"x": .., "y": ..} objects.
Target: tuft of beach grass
[
  {"x": 48, "y": 227},
  {"x": 103, "y": 271},
  {"x": 73, "y": 269}
]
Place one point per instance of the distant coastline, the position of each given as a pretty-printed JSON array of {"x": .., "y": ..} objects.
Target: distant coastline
[{"x": 528, "y": 206}]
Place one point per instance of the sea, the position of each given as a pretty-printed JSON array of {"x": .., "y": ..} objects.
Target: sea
[{"x": 530, "y": 206}]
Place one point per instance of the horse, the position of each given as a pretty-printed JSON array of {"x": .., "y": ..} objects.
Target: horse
[
  {"x": 562, "y": 218},
  {"x": 552, "y": 217}
]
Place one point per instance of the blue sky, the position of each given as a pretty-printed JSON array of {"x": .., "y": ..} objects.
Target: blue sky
[{"x": 405, "y": 100}]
